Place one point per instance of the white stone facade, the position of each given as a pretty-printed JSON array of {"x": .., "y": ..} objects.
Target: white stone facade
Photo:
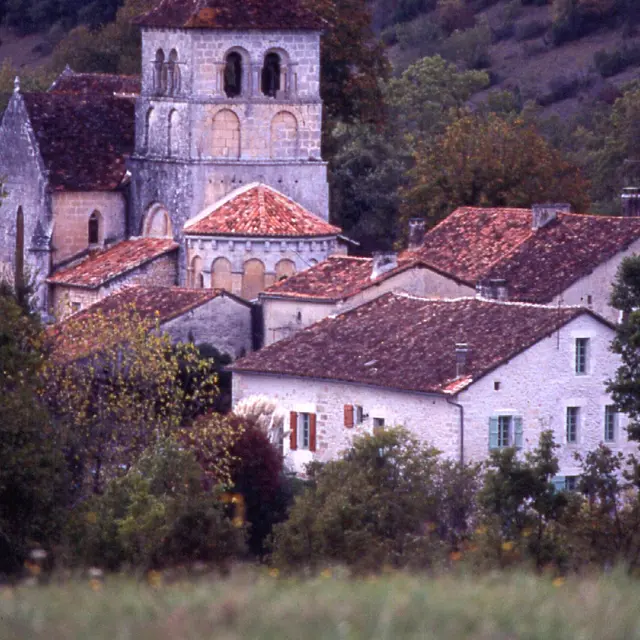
[{"x": 537, "y": 386}]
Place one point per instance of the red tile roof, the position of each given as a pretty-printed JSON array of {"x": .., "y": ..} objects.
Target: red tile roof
[
  {"x": 477, "y": 244},
  {"x": 403, "y": 342},
  {"x": 101, "y": 266},
  {"x": 84, "y": 139},
  {"x": 73, "y": 338},
  {"x": 230, "y": 14},
  {"x": 259, "y": 210},
  {"x": 336, "y": 278},
  {"x": 107, "y": 84}
]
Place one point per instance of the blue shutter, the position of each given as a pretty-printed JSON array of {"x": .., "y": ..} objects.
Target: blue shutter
[
  {"x": 517, "y": 432},
  {"x": 493, "y": 433},
  {"x": 558, "y": 483}
]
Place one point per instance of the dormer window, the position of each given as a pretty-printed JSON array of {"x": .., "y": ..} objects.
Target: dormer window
[
  {"x": 94, "y": 228},
  {"x": 233, "y": 75},
  {"x": 271, "y": 75}
]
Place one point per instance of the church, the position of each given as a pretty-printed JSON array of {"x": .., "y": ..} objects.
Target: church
[{"x": 204, "y": 172}]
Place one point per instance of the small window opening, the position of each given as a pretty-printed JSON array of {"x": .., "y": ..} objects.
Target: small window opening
[
  {"x": 496, "y": 385},
  {"x": 159, "y": 73},
  {"x": 589, "y": 299},
  {"x": 233, "y": 75},
  {"x": 378, "y": 426},
  {"x": 299, "y": 316},
  {"x": 94, "y": 228},
  {"x": 173, "y": 73},
  {"x": 271, "y": 75},
  {"x": 359, "y": 414},
  {"x": 582, "y": 346}
]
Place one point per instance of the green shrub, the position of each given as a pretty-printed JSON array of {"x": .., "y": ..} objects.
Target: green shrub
[
  {"x": 610, "y": 64},
  {"x": 530, "y": 30}
]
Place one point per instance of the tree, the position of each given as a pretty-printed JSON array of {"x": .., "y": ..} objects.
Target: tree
[
  {"x": 116, "y": 384},
  {"x": 487, "y": 160}
]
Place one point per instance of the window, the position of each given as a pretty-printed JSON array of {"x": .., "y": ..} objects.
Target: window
[
  {"x": 505, "y": 431},
  {"x": 610, "y": 423},
  {"x": 582, "y": 345},
  {"x": 233, "y": 75},
  {"x": 94, "y": 228},
  {"x": 302, "y": 431},
  {"x": 573, "y": 414},
  {"x": 496, "y": 385},
  {"x": 359, "y": 414},
  {"x": 565, "y": 483},
  {"x": 159, "y": 73},
  {"x": 378, "y": 426},
  {"x": 75, "y": 306},
  {"x": 173, "y": 73},
  {"x": 271, "y": 75}
]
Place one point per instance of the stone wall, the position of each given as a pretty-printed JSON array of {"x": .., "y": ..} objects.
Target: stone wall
[
  {"x": 23, "y": 178},
  {"x": 222, "y": 322},
  {"x": 537, "y": 385},
  {"x": 71, "y": 211},
  {"x": 161, "y": 272}
]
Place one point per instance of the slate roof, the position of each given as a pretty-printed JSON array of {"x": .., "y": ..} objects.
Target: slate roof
[
  {"x": 71, "y": 339},
  {"x": 230, "y": 14},
  {"x": 477, "y": 244},
  {"x": 101, "y": 266},
  {"x": 107, "y": 84},
  {"x": 336, "y": 278},
  {"x": 403, "y": 342},
  {"x": 258, "y": 210},
  {"x": 84, "y": 139}
]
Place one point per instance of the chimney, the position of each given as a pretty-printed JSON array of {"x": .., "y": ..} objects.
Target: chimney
[
  {"x": 417, "y": 228},
  {"x": 630, "y": 202},
  {"x": 462, "y": 356},
  {"x": 383, "y": 261},
  {"x": 493, "y": 289},
  {"x": 543, "y": 214}
]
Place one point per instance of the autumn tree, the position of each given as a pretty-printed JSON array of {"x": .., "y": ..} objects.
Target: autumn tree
[
  {"x": 487, "y": 160},
  {"x": 116, "y": 384}
]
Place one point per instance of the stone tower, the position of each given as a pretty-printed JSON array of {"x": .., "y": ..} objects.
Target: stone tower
[{"x": 230, "y": 96}]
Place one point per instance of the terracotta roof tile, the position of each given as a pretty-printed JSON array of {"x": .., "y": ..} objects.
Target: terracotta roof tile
[
  {"x": 403, "y": 342},
  {"x": 84, "y": 139},
  {"x": 230, "y": 14},
  {"x": 259, "y": 210},
  {"x": 101, "y": 266},
  {"x": 71, "y": 339},
  {"x": 336, "y": 278},
  {"x": 476, "y": 244},
  {"x": 107, "y": 84}
]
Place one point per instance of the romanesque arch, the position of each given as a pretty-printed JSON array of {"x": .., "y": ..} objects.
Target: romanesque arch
[
  {"x": 226, "y": 135},
  {"x": 284, "y": 136},
  {"x": 157, "y": 222},
  {"x": 221, "y": 274},
  {"x": 284, "y": 269},
  {"x": 159, "y": 73},
  {"x": 196, "y": 276},
  {"x": 173, "y": 73},
  {"x": 95, "y": 228},
  {"x": 236, "y": 73},
  {"x": 148, "y": 123},
  {"x": 173, "y": 136},
  {"x": 252, "y": 279}
]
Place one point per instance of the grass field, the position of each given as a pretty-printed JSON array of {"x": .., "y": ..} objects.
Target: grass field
[{"x": 260, "y": 606}]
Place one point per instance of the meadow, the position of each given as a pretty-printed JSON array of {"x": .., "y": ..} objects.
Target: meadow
[{"x": 265, "y": 606}]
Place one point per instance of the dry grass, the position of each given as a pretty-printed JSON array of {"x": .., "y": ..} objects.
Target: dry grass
[{"x": 258, "y": 605}]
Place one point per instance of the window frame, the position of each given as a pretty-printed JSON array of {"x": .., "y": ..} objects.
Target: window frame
[
  {"x": 304, "y": 430},
  {"x": 514, "y": 431},
  {"x": 610, "y": 423},
  {"x": 581, "y": 363},
  {"x": 572, "y": 421}
]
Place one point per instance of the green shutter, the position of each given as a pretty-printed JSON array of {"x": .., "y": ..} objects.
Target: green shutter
[
  {"x": 558, "y": 483},
  {"x": 493, "y": 433},
  {"x": 517, "y": 432}
]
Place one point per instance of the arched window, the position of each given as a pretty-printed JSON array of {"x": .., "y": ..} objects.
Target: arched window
[
  {"x": 252, "y": 279},
  {"x": 173, "y": 137},
  {"x": 173, "y": 73},
  {"x": 226, "y": 135},
  {"x": 197, "y": 279},
  {"x": 233, "y": 75},
  {"x": 157, "y": 222},
  {"x": 270, "y": 84},
  {"x": 221, "y": 274},
  {"x": 19, "y": 257},
  {"x": 94, "y": 227},
  {"x": 284, "y": 269},
  {"x": 159, "y": 73},
  {"x": 284, "y": 135}
]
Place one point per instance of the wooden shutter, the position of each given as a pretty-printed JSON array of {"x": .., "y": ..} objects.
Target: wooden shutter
[
  {"x": 493, "y": 433},
  {"x": 312, "y": 432},
  {"x": 348, "y": 416},
  {"x": 293, "y": 426},
  {"x": 517, "y": 432}
]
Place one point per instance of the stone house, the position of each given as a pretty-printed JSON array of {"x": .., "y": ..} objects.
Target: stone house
[
  {"x": 543, "y": 255},
  {"x": 467, "y": 375},
  {"x": 207, "y": 316},
  {"x": 228, "y": 97}
]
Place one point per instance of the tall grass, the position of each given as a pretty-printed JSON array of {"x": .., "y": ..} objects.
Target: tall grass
[{"x": 251, "y": 605}]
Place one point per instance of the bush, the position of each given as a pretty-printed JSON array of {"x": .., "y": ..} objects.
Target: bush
[
  {"x": 470, "y": 47},
  {"x": 503, "y": 32},
  {"x": 610, "y": 64},
  {"x": 563, "y": 88},
  {"x": 530, "y": 30}
]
